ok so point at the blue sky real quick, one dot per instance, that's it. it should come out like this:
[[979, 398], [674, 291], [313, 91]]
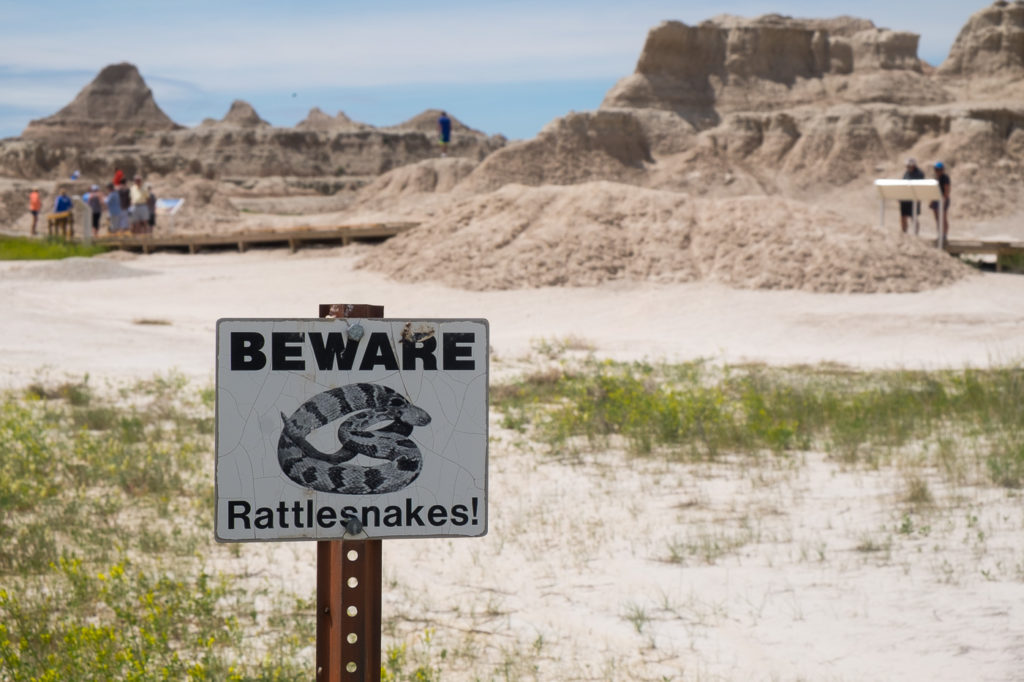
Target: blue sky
[[499, 66]]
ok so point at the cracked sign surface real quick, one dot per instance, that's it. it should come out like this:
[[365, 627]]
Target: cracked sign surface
[[321, 421]]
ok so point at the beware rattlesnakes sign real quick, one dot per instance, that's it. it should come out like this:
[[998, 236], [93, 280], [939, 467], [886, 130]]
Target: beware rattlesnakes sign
[[322, 421]]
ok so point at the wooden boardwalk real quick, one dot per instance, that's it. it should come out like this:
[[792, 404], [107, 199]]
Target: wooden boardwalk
[[1003, 251], [292, 238]]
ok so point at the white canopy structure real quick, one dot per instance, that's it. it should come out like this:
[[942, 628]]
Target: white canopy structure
[[915, 191]]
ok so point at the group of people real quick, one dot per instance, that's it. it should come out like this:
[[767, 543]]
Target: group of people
[[129, 207], [62, 204], [910, 212]]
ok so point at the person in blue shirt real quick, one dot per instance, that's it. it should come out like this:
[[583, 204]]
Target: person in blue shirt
[[66, 225], [444, 127], [63, 202], [114, 209]]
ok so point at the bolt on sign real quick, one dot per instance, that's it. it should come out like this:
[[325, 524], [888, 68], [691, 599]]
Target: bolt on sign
[[325, 425]]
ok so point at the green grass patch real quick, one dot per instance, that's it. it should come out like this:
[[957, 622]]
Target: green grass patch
[[405, 662], [22, 248], [106, 515], [698, 411], [1011, 262]]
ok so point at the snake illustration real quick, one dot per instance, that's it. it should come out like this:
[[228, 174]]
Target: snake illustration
[[362, 407]]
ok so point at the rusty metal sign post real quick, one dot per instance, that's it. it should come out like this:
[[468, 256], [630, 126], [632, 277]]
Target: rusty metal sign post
[[346, 429], [348, 585]]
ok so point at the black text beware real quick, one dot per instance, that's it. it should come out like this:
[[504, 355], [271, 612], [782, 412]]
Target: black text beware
[[331, 350]]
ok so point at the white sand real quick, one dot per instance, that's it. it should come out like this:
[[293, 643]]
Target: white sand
[[574, 576], [82, 317]]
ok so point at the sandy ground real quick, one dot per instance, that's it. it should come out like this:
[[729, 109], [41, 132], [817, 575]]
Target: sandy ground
[[90, 315], [607, 568]]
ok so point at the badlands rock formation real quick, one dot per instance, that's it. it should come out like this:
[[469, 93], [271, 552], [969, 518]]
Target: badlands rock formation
[[116, 106], [780, 105], [317, 119], [743, 149], [525, 237], [240, 115], [772, 62], [114, 121], [991, 44], [730, 111], [603, 145]]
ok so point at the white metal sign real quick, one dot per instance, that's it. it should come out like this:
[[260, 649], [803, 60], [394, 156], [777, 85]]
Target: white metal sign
[[374, 426], [169, 206]]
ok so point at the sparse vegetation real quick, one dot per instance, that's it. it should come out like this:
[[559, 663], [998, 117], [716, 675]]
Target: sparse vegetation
[[396, 665], [918, 493], [706, 547], [698, 411], [1011, 262], [105, 513], [637, 617]]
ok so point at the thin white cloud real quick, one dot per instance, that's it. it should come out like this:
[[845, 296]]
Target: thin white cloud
[[226, 47], [399, 48], [456, 43], [32, 97]]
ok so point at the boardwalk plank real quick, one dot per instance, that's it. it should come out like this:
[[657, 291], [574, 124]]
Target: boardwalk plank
[[292, 238]]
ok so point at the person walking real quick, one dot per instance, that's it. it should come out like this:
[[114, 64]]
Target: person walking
[[96, 206], [35, 205], [444, 128], [125, 196], [140, 208], [907, 208], [114, 209], [945, 187], [151, 205]]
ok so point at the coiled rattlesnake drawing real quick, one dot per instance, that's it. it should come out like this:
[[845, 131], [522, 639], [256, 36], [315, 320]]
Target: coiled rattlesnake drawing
[[362, 406]]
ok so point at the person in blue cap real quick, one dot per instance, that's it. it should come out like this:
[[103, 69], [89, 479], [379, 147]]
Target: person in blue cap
[[444, 127], [944, 189], [63, 202], [66, 223]]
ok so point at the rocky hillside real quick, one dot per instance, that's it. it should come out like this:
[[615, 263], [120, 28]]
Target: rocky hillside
[[319, 120], [240, 115], [776, 105], [990, 45], [115, 122], [117, 106], [772, 62], [810, 109]]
